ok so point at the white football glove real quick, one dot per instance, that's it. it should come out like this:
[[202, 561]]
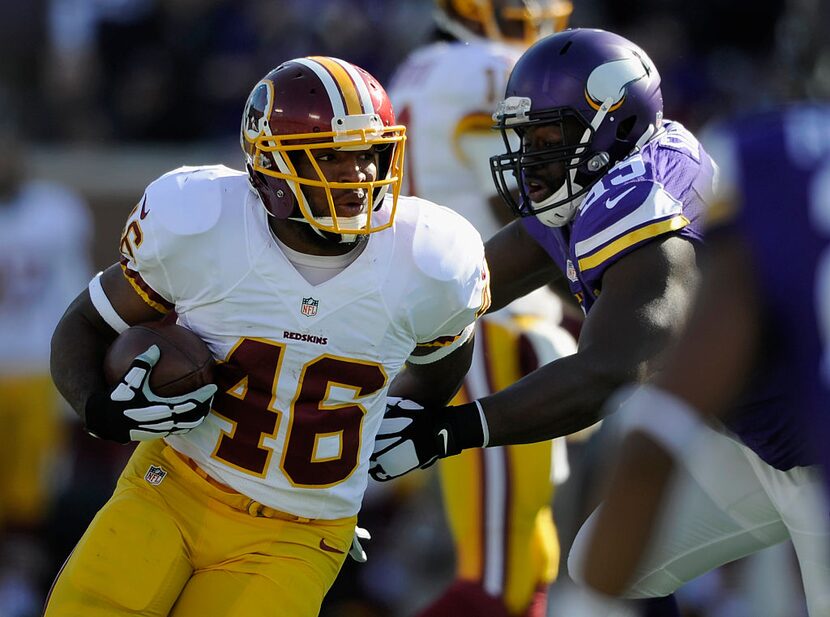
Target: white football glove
[[356, 551], [131, 411], [395, 453]]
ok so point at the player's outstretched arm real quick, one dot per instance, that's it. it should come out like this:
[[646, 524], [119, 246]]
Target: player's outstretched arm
[[703, 374], [641, 308]]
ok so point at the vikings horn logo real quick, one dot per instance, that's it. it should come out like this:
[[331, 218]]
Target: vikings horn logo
[[258, 110], [611, 80]]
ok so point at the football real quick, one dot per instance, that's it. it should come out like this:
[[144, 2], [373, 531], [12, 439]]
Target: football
[[185, 363]]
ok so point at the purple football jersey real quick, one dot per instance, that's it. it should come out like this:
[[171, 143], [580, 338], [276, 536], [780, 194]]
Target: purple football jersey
[[661, 189], [666, 188], [781, 162]]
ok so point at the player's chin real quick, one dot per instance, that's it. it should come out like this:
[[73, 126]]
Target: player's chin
[[538, 192], [351, 209]]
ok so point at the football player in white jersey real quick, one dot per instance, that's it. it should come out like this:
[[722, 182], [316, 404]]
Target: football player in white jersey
[[314, 283], [497, 501]]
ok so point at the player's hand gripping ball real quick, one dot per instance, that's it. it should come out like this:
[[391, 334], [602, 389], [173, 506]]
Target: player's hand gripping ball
[[160, 377]]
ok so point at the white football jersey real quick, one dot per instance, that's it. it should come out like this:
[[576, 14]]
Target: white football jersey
[[45, 233], [303, 369], [445, 93]]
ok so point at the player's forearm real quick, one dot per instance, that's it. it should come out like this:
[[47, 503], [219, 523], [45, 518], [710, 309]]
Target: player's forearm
[[628, 516], [413, 384], [78, 349], [558, 399], [434, 384]]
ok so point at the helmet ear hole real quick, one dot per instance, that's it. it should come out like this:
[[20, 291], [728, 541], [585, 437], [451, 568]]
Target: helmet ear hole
[[625, 127], [283, 200], [275, 194]]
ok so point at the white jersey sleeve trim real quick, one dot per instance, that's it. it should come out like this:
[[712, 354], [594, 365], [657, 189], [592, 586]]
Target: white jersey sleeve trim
[[658, 205], [104, 307]]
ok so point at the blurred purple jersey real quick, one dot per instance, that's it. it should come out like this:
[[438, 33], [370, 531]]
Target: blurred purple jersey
[[781, 162], [665, 189]]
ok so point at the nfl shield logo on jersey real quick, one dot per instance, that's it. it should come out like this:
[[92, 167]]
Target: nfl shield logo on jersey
[[309, 308], [571, 272], [155, 475]]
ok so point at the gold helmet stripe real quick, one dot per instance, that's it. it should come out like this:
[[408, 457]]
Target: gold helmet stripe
[[342, 82], [359, 82], [336, 98]]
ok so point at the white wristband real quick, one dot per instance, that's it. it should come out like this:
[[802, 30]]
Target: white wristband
[[666, 418], [484, 427], [104, 307]]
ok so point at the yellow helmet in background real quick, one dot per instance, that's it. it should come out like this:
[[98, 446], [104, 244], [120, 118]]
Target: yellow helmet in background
[[518, 22]]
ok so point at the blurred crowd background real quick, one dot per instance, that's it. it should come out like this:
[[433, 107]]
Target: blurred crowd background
[[98, 97]]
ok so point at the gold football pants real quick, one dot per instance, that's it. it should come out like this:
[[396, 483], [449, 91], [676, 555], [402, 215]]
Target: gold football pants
[[172, 542]]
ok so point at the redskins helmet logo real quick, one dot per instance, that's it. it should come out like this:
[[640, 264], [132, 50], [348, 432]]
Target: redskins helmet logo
[[258, 110]]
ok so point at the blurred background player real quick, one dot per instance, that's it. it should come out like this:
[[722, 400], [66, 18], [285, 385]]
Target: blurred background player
[[763, 309], [497, 501], [45, 234], [755, 314]]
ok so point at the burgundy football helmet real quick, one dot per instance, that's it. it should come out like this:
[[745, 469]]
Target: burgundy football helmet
[[312, 103], [601, 89]]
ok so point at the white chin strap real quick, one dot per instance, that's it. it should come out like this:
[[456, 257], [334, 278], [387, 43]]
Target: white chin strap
[[352, 222], [563, 213]]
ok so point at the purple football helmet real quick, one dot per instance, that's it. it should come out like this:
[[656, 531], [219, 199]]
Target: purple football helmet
[[602, 92]]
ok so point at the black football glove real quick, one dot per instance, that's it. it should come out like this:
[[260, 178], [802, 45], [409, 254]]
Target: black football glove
[[413, 437], [130, 411]]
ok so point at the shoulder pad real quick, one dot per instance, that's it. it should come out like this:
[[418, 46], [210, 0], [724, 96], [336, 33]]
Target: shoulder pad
[[179, 214], [621, 218], [449, 285], [445, 246], [188, 200]]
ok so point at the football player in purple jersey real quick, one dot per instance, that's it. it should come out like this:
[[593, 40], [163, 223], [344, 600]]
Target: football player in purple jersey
[[612, 197], [763, 307]]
